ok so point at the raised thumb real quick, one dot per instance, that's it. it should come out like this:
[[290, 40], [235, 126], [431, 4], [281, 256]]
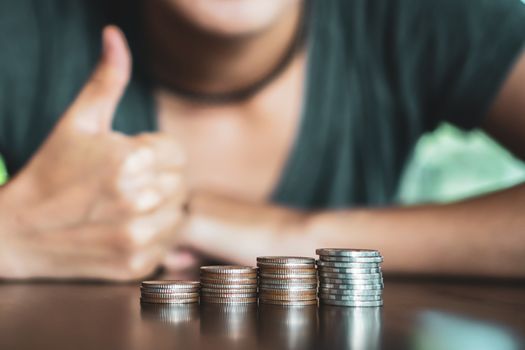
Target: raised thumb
[[93, 109]]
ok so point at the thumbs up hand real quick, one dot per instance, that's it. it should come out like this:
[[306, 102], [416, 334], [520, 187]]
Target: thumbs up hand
[[94, 203]]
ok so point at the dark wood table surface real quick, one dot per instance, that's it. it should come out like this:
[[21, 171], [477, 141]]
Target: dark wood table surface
[[417, 315]]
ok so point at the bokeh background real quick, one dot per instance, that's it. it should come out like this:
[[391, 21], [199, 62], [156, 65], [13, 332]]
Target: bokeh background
[[449, 164]]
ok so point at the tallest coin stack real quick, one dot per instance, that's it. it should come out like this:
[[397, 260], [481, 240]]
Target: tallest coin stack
[[350, 277]]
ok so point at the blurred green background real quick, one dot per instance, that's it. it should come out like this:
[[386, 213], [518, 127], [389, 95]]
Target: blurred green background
[[448, 165]]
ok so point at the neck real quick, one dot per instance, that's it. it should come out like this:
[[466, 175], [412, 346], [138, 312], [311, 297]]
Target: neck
[[182, 55]]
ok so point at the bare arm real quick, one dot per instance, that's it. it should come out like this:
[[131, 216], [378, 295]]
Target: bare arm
[[484, 236]]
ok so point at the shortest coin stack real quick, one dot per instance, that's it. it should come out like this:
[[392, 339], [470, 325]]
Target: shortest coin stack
[[229, 284], [169, 292], [287, 281], [350, 277]]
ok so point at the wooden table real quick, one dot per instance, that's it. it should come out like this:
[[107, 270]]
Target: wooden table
[[416, 315]]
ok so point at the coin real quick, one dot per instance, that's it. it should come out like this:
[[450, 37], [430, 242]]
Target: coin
[[230, 286], [167, 290], [352, 276], [287, 276], [228, 281], [348, 303], [350, 270], [331, 280], [228, 300], [289, 302], [377, 286], [309, 293], [228, 276], [289, 271], [370, 259], [350, 291], [174, 284], [288, 297], [299, 260], [291, 287], [347, 252], [290, 281], [229, 290], [170, 295], [349, 297], [229, 295], [169, 301], [338, 264], [228, 269]]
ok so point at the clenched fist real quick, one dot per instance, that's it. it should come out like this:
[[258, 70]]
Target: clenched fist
[[93, 203]]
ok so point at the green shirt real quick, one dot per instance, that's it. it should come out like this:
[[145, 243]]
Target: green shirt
[[380, 74]]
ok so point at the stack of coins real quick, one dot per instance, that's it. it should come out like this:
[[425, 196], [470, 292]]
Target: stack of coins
[[169, 292], [228, 284], [287, 281], [350, 277]]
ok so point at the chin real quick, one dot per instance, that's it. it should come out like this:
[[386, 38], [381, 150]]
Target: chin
[[232, 17]]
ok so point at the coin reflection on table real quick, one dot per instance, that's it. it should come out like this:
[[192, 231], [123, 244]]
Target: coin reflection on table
[[350, 328], [177, 321], [170, 313], [293, 327], [229, 326]]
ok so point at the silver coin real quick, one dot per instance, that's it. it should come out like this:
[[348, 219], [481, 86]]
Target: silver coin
[[170, 284], [228, 295], [167, 290], [350, 270], [227, 281], [351, 291], [229, 290], [364, 259], [349, 297], [289, 282], [169, 301], [352, 276], [287, 287], [229, 286], [228, 269], [227, 300], [170, 295], [285, 260], [349, 265], [375, 303], [347, 252], [287, 276], [288, 296], [298, 303], [325, 280], [342, 284], [291, 266], [289, 270]]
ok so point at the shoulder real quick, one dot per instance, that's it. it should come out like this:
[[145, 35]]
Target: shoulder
[[427, 14]]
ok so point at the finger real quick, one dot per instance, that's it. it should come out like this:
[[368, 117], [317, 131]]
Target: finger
[[167, 152], [94, 107], [157, 228], [138, 196], [180, 260]]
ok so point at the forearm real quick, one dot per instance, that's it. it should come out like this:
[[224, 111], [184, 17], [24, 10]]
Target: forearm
[[478, 237], [238, 232]]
